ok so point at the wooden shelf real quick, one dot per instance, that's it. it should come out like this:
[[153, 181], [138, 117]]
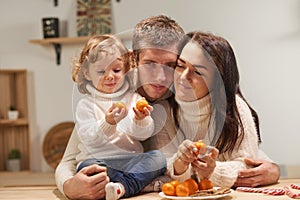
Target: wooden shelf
[[17, 122], [14, 134], [57, 42], [61, 40]]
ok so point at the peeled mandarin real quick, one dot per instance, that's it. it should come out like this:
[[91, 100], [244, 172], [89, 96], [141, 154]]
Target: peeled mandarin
[[119, 105], [201, 147]]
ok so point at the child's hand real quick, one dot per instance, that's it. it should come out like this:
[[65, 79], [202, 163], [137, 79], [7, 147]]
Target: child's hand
[[115, 114], [139, 115]]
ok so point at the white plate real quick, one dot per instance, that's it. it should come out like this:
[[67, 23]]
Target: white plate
[[199, 197]]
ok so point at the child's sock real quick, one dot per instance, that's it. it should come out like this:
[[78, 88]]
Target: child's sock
[[114, 191]]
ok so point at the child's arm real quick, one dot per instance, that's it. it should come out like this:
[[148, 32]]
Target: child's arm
[[91, 124], [138, 124]]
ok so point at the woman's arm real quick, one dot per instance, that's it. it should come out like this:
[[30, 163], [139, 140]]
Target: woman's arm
[[229, 164]]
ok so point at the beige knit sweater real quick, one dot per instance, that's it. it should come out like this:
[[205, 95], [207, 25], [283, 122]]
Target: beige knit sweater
[[228, 165]]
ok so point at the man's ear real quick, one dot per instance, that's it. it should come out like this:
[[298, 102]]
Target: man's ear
[[130, 53], [132, 59], [87, 75]]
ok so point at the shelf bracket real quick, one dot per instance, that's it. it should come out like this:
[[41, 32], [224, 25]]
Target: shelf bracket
[[57, 48]]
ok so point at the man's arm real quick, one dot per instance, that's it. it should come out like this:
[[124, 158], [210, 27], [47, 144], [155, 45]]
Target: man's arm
[[262, 173], [88, 183]]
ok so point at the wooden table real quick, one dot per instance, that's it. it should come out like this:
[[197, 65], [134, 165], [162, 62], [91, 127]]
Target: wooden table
[[239, 195], [41, 186]]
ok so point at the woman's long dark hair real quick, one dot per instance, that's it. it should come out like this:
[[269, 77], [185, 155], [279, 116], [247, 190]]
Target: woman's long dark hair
[[221, 54]]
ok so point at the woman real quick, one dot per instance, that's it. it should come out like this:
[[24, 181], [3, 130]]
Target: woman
[[211, 107]]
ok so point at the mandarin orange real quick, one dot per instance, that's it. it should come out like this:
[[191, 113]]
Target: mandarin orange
[[205, 184], [175, 183], [201, 147], [192, 185], [182, 190], [168, 189], [141, 104]]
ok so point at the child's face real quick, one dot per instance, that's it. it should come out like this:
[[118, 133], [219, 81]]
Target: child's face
[[107, 74]]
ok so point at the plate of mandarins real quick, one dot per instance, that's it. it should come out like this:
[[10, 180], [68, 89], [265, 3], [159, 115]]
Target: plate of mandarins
[[190, 189]]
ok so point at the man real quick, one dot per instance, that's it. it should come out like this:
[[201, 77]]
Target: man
[[155, 41], [151, 52]]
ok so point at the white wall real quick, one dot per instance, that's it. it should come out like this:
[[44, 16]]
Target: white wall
[[265, 35]]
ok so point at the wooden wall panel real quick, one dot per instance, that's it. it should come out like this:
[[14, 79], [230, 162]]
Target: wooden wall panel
[[14, 134]]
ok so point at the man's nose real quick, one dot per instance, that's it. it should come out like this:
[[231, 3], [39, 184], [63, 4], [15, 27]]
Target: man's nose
[[160, 73]]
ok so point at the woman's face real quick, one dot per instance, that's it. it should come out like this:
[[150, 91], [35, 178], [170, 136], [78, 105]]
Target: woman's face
[[193, 77]]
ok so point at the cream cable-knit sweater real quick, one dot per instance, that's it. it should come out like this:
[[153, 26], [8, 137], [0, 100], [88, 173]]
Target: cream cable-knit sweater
[[67, 167], [228, 165], [99, 139]]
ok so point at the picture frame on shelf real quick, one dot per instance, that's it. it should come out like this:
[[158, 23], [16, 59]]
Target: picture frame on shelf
[[94, 17]]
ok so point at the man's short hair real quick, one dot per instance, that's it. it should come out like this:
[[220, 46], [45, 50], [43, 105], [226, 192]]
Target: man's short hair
[[156, 32]]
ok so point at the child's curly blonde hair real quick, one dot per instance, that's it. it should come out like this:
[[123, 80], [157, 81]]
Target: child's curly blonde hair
[[90, 54]]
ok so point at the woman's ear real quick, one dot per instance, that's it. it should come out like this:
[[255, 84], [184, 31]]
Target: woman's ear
[[87, 74]]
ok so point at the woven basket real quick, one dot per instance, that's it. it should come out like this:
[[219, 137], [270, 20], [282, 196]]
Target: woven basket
[[56, 141]]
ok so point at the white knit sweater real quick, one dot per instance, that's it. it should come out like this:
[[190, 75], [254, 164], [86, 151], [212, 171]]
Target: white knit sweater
[[228, 165], [100, 139]]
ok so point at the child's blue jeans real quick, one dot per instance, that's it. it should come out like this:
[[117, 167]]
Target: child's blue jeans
[[134, 172]]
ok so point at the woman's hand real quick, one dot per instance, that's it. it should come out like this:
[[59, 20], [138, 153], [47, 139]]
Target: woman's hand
[[88, 183], [205, 165], [184, 157]]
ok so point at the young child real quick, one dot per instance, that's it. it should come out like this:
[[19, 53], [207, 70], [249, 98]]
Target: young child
[[109, 131]]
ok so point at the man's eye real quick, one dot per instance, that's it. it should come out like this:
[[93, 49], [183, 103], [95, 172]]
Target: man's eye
[[173, 65], [150, 64], [101, 72]]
